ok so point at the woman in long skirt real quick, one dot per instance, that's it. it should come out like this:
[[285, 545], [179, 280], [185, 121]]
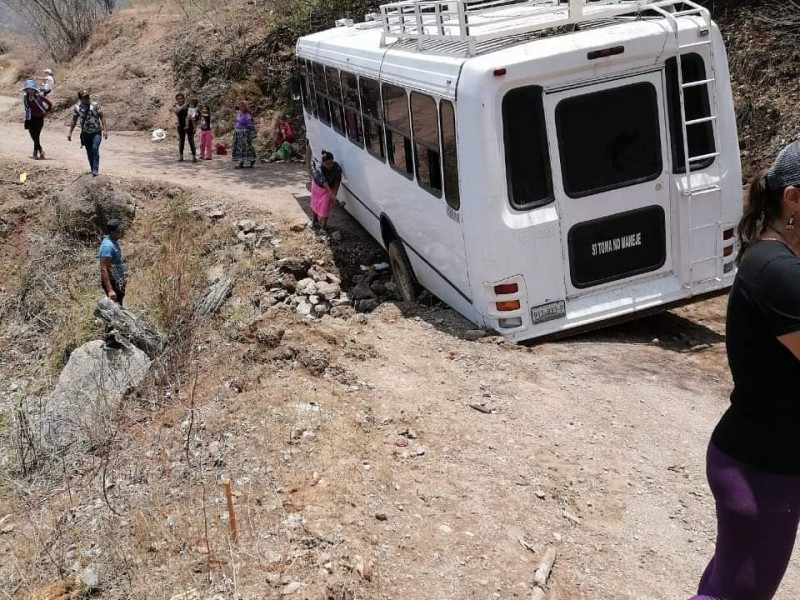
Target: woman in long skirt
[[243, 136]]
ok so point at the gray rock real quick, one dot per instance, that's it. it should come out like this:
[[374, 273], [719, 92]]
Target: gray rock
[[215, 214], [246, 225], [291, 588], [341, 312], [328, 290], [336, 236], [367, 305], [340, 302], [304, 308], [317, 273], [378, 288], [306, 287], [321, 309], [390, 286], [90, 577], [314, 299], [85, 205], [475, 334], [90, 388], [333, 278], [361, 292], [360, 318]]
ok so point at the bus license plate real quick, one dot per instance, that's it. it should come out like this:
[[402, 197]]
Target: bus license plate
[[549, 312]]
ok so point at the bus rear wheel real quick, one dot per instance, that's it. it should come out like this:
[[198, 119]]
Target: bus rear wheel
[[403, 273]]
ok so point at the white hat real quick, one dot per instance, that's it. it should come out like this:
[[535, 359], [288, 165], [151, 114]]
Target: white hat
[[48, 71], [158, 135]]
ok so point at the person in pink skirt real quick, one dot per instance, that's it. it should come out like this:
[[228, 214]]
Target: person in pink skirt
[[206, 134], [326, 178]]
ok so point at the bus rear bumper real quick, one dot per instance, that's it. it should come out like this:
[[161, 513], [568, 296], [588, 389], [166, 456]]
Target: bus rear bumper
[[610, 307]]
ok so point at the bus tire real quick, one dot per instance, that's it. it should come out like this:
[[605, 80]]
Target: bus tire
[[407, 284]]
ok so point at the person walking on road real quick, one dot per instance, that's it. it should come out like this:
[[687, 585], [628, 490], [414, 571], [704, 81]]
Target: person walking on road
[[36, 108], [112, 270], [93, 128], [753, 459], [48, 83], [185, 127]]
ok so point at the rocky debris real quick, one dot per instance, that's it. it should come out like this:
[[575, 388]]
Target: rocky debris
[[88, 393], [475, 334], [90, 578], [216, 295], [291, 588], [141, 334], [254, 233], [85, 205], [215, 214]]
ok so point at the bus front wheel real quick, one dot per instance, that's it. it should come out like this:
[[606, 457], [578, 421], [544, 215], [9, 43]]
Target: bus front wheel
[[403, 273]]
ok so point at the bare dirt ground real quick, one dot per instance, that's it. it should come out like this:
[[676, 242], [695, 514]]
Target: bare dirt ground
[[594, 445]]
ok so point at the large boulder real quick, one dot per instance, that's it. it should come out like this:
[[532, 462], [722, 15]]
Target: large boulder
[[86, 204], [81, 410]]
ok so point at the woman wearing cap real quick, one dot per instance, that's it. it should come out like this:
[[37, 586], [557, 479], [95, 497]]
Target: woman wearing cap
[[36, 107], [753, 460]]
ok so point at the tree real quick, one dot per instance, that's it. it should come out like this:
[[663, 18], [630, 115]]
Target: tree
[[64, 26]]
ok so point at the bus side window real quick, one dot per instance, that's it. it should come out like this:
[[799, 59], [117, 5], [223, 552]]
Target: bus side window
[[321, 89], [398, 129], [352, 109], [697, 106], [530, 181], [427, 160], [301, 70], [312, 104], [335, 98], [373, 117], [447, 119]]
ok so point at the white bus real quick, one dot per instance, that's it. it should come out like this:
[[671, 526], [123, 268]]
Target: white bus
[[542, 167]]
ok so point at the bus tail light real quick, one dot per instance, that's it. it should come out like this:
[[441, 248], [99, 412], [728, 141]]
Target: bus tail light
[[506, 288], [727, 250], [508, 305]]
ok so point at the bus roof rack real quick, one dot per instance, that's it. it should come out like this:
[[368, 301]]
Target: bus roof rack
[[472, 27]]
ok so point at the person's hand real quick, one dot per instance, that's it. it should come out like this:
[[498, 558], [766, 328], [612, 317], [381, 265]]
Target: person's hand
[[105, 136], [69, 137], [112, 295]]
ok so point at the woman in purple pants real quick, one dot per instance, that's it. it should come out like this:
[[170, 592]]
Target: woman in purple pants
[[753, 460]]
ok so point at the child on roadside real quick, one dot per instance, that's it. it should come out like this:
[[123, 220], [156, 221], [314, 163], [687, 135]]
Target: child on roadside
[[326, 178], [206, 134]]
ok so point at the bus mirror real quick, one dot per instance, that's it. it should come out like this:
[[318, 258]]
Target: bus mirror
[[295, 87]]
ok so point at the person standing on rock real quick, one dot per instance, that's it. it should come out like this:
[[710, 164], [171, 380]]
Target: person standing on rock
[[753, 459], [185, 126], [112, 270], [326, 178], [93, 128], [36, 108]]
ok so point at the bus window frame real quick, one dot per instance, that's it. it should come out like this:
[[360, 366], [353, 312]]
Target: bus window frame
[[345, 75], [335, 101], [321, 97], [437, 148], [376, 122], [408, 146]]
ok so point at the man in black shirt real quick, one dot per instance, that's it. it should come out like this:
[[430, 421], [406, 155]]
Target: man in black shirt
[[181, 110]]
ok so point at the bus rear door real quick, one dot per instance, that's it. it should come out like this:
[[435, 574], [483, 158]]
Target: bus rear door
[[611, 181]]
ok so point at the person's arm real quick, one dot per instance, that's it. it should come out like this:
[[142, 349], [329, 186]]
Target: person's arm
[[176, 108], [72, 127], [777, 297], [105, 277], [103, 124]]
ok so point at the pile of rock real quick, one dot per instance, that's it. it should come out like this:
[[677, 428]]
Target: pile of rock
[[254, 233], [372, 286]]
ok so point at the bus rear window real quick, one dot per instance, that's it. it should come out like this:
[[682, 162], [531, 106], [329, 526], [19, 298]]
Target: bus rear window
[[697, 106], [609, 139], [525, 139]]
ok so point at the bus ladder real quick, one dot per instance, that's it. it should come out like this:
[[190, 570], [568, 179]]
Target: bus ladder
[[689, 191]]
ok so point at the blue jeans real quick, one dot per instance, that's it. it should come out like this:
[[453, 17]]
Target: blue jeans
[[91, 141]]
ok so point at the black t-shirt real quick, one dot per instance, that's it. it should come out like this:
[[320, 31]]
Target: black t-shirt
[[762, 426], [182, 114]]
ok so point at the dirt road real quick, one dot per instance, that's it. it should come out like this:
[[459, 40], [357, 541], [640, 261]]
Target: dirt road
[[594, 445]]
